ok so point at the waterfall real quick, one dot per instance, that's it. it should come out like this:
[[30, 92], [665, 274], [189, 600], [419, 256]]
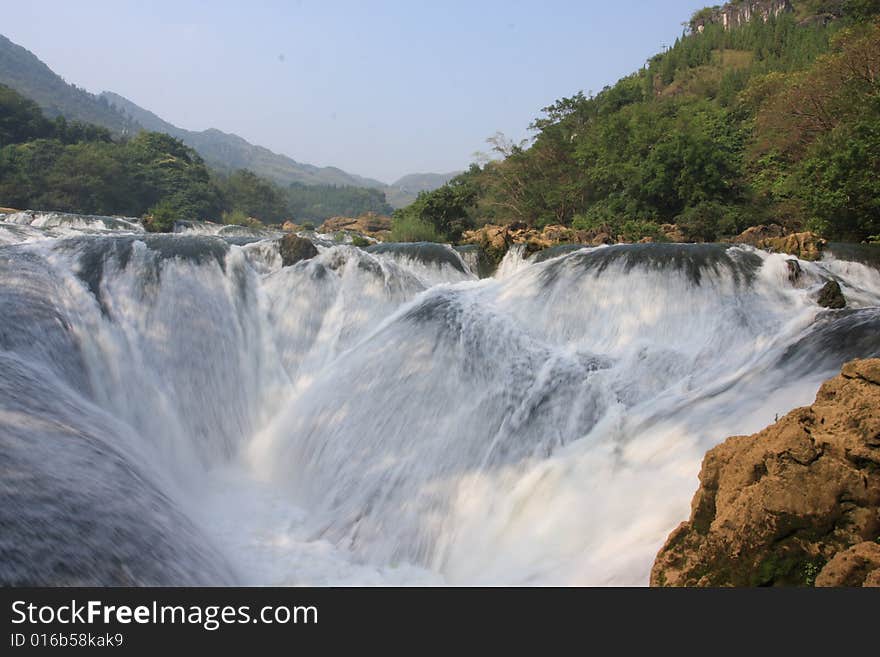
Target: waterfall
[[180, 409]]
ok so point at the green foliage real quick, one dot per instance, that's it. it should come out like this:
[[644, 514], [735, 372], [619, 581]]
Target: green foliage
[[771, 120], [76, 167], [861, 10], [30, 77], [360, 240], [841, 182], [633, 230], [161, 217], [320, 202], [237, 217], [440, 215], [246, 193], [707, 221], [405, 227], [20, 118]]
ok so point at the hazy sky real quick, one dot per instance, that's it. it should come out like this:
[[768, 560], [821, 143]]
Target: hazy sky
[[376, 88]]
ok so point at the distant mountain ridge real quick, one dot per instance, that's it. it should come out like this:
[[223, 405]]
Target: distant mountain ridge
[[228, 152], [23, 71]]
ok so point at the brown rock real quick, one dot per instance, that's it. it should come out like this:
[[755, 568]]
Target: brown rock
[[294, 248], [755, 234], [601, 238], [773, 238], [290, 227], [857, 566], [774, 507], [367, 224], [673, 233], [496, 240]]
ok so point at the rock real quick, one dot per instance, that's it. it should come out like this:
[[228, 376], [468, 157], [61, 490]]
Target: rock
[[806, 246], [601, 238], [857, 566], [496, 240], [773, 238], [290, 227], [370, 224], [755, 234], [294, 248], [773, 508], [831, 296], [794, 271], [673, 233]]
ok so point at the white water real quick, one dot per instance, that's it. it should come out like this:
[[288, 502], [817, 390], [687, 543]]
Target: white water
[[177, 409]]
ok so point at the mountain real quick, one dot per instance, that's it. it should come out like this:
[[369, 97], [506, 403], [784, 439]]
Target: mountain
[[404, 191], [23, 71], [228, 152]]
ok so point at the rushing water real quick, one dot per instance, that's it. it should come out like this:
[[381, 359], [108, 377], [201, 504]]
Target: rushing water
[[179, 409]]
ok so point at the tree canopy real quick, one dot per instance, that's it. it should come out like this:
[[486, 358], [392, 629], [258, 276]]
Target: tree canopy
[[773, 120]]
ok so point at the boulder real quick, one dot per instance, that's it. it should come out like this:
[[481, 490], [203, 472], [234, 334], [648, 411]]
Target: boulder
[[794, 271], [290, 227], [775, 507], [857, 566], [294, 248], [831, 296]]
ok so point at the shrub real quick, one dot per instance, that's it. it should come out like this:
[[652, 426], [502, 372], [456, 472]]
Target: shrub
[[708, 220], [634, 230], [406, 228], [161, 217]]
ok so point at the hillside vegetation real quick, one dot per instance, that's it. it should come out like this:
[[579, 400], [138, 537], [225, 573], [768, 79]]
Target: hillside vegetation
[[775, 120], [80, 167]]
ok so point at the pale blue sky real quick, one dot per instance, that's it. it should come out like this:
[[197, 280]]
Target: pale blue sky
[[377, 88]]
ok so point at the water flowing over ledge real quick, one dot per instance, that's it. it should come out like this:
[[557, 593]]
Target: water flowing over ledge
[[180, 409]]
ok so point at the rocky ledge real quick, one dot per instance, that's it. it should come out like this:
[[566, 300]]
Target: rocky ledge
[[496, 240], [774, 238], [370, 224], [795, 504]]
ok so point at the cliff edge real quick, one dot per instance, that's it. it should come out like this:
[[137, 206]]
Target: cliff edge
[[795, 504]]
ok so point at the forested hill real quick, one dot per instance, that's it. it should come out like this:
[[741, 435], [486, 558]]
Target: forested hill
[[21, 70], [71, 166], [229, 152], [772, 117]]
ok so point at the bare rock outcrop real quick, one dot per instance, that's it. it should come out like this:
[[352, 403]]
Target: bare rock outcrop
[[496, 240], [774, 238], [738, 13], [783, 506], [371, 224]]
